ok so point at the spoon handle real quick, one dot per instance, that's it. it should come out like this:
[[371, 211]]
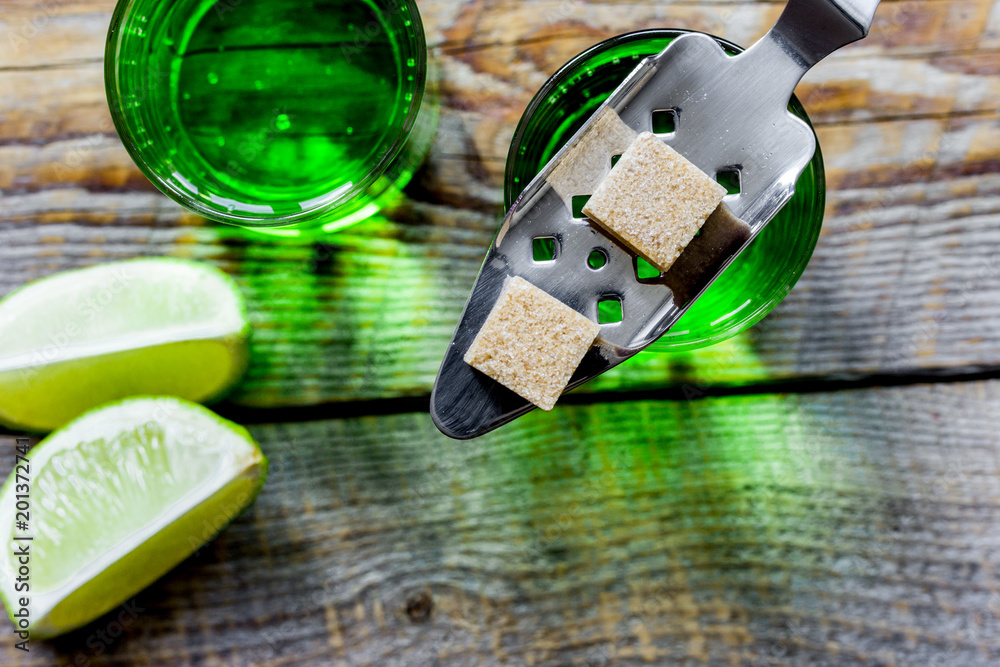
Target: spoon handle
[[806, 32]]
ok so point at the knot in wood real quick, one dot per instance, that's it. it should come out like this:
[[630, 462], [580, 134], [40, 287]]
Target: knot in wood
[[419, 607]]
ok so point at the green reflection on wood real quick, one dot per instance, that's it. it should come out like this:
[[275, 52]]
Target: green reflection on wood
[[368, 312], [685, 516]]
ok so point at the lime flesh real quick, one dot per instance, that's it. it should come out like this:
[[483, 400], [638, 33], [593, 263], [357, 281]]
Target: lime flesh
[[117, 498], [82, 338]]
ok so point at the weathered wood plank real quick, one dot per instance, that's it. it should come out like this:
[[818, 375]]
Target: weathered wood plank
[[901, 113], [904, 279], [856, 527], [465, 168], [899, 28], [991, 34], [46, 34], [828, 529], [911, 138], [56, 125], [879, 153], [866, 88], [858, 86]]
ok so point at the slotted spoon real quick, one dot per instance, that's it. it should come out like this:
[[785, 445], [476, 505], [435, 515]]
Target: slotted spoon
[[730, 117]]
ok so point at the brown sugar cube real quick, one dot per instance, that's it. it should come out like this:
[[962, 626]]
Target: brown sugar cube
[[654, 200], [531, 343], [577, 172]]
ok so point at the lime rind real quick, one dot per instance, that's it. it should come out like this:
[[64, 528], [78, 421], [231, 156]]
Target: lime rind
[[153, 537]]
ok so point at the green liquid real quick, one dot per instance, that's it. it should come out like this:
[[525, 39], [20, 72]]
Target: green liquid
[[764, 272], [268, 108]]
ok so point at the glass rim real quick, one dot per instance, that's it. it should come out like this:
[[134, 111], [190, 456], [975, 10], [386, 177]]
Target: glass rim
[[816, 166], [575, 61], [250, 220]]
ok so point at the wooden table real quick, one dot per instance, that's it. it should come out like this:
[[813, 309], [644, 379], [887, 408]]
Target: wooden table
[[823, 490]]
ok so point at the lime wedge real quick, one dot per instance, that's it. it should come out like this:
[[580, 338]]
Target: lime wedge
[[116, 498], [78, 339]]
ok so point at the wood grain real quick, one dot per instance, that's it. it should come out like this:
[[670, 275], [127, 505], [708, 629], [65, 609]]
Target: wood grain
[[903, 280], [51, 34], [831, 528], [844, 528]]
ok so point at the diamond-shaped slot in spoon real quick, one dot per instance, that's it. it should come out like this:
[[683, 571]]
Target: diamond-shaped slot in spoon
[[730, 115]]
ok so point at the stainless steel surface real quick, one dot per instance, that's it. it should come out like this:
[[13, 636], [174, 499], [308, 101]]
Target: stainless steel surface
[[730, 114]]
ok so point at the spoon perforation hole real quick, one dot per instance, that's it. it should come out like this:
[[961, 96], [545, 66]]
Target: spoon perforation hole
[[664, 121], [544, 248], [609, 309], [644, 270], [597, 259], [579, 201], [730, 178], [614, 160]]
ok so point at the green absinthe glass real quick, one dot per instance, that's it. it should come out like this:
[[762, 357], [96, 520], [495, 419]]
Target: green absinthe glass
[[766, 270], [270, 112]]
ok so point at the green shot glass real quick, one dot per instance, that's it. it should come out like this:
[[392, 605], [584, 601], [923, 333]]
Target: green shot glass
[[271, 113], [764, 272]]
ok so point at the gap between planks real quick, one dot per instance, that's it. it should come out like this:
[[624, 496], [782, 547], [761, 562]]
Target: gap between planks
[[259, 414]]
